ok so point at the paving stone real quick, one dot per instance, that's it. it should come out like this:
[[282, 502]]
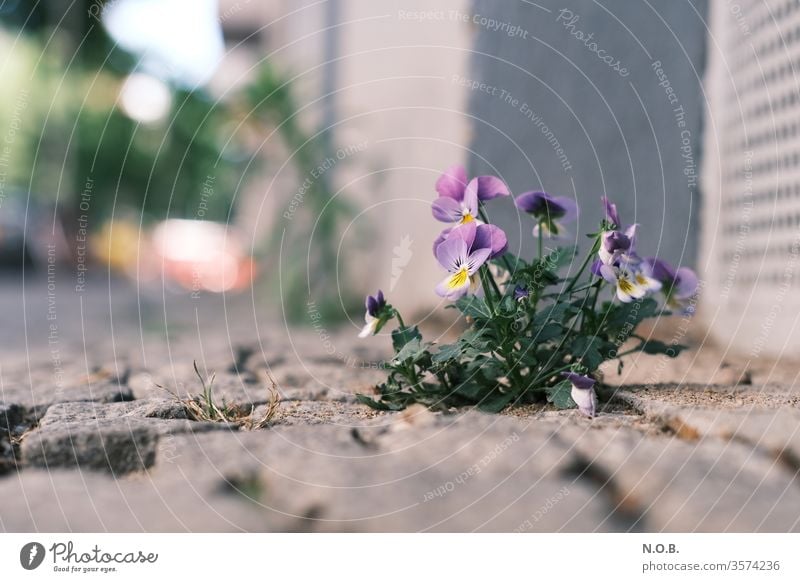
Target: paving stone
[[463, 473], [74, 501], [38, 397], [14, 421], [777, 432], [669, 484], [118, 447], [322, 412], [669, 406], [118, 437]]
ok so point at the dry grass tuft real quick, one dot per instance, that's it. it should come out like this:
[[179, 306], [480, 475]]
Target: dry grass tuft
[[202, 407]]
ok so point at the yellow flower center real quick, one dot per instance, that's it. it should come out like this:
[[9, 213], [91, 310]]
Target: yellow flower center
[[458, 278], [625, 285], [641, 280], [467, 218]]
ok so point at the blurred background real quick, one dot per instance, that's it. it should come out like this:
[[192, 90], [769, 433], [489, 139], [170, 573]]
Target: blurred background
[[196, 156]]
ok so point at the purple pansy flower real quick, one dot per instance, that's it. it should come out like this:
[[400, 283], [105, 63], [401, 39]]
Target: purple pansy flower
[[583, 392], [618, 247], [486, 236], [678, 285], [551, 212], [462, 256], [619, 264], [611, 213], [374, 315], [521, 293], [458, 199], [632, 280]]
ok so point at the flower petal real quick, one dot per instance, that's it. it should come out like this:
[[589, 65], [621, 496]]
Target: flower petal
[[470, 201], [627, 290], [579, 380], [372, 305], [476, 259], [452, 253], [586, 400], [630, 232], [369, 327], [446, 209], [455, 285], [465, 232], [452, 182], [490, 187], [530, 202], [608, 273], [491, 237], [686, 283], [441, 238], [660, 270], [611, 212]]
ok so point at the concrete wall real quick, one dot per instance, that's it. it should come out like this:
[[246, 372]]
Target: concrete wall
[[554, 115], [397, 121]]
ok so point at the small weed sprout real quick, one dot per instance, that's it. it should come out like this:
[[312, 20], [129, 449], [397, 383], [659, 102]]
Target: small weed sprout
[[202, 407]]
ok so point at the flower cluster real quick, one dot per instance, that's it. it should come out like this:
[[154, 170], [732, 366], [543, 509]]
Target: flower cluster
[[533, 334]]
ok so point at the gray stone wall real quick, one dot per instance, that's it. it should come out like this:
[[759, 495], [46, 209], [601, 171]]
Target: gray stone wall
[[587, 99]]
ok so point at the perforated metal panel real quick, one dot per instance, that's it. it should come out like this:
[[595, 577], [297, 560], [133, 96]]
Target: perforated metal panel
[[751, 177]]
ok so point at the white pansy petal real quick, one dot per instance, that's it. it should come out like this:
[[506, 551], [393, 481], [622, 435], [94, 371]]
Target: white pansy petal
[[586, 399], [369, 327]]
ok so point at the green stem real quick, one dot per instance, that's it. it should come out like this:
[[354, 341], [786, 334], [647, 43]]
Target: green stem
[[400, 319], [595, 247], [485, 276], [541, 227], [583, 288], [549, 373]]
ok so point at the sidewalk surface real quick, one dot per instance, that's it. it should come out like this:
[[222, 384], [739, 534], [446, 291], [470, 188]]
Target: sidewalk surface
[[91, 441]]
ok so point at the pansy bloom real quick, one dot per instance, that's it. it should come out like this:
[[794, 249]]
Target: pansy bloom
[[612, 216], [521, 293], [375, 315], [486, 236], [583, 393], [458, 199], [618, 247], [550, 212], [631, 282], [462, 253], [677, 285]]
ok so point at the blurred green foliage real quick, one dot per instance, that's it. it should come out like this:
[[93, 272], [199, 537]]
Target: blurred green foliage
[[75, 132]]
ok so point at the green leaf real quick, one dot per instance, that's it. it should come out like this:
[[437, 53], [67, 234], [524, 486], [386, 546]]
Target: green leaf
[[547, 332], [447, 352], [556, 312], [587, 349], [473, 306], [624, 317], [497, 400], [470, 390], [559, 395], [374, 404], [411, 351], [476, 339], [401, 336]]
